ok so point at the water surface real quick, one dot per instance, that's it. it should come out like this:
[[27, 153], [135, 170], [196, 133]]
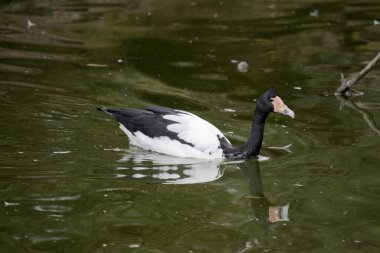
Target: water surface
[[70, 182]]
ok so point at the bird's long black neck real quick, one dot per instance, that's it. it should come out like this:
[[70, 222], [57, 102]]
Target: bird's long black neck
[[253, 145]]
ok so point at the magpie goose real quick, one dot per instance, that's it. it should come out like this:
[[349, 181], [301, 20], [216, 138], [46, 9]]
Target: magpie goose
[[183, 134]]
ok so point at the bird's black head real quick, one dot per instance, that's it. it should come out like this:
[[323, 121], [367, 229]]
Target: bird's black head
[[270, 101]]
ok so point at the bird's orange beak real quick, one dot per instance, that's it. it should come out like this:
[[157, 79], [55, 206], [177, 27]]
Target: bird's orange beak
[[280, 107]]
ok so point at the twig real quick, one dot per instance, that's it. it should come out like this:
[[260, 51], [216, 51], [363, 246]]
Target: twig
[[366, 115], [285, 148], [346, 84]]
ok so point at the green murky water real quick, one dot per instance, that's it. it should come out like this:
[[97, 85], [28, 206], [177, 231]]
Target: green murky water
[[69, 182]]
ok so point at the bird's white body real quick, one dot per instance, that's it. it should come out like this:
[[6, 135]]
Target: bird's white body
[[202, 135]]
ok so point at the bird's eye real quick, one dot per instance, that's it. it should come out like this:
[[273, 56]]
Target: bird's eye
[[271, 99]]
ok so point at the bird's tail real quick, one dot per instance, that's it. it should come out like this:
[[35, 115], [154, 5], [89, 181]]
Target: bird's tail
[[105, 110]]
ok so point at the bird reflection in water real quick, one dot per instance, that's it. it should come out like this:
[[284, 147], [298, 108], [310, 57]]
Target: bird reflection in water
[[262, 208], [157, 168], [164, 169]]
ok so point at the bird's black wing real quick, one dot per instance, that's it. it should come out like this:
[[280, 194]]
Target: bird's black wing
[[149, 121]]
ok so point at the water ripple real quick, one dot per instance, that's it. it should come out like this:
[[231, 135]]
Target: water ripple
[[53, 208], [61, 198]]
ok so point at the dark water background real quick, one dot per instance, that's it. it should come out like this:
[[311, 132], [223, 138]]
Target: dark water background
[[69, 182]]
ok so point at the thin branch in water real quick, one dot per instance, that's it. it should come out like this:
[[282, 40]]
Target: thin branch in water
[[285, 148], [346, 84], [366, 115], [368, 106]]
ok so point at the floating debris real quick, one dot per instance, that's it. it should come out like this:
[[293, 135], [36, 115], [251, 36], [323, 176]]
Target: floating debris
[[30, 24], [234, 61], [376, 22], [314, 13], [297, 88], [228, 110], [120, 61], [243, 67]]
